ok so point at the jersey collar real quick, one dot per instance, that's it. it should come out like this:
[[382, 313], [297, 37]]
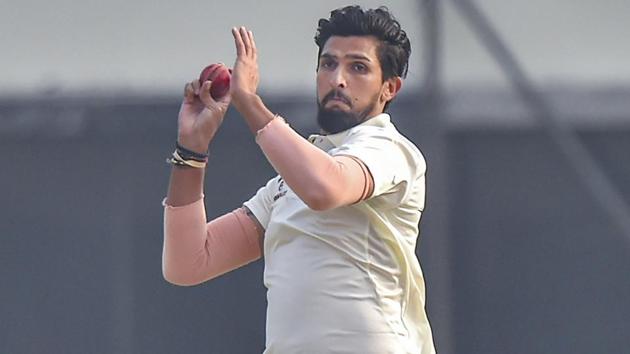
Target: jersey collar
[[327, 142]]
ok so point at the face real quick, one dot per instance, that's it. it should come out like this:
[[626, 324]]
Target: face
[[350, 86]]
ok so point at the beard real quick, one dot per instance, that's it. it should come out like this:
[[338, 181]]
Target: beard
[[334, 121]]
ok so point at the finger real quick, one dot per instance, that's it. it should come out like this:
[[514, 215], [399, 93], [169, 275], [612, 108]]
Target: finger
[[246, 41], [189, 92], [208, 72], [253, 43], [195, 85], [238, 42], [204, 94], [188, 89]]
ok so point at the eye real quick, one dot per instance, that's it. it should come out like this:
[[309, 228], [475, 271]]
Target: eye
[[327, 64], [359, 67]]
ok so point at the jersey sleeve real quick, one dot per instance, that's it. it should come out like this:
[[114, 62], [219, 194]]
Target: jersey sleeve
[[393, 162], [260, 203]]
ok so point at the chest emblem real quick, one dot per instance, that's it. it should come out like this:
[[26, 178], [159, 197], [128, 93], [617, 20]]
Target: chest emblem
[[282, 190]]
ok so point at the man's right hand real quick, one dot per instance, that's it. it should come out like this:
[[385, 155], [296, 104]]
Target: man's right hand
[[199, 116]]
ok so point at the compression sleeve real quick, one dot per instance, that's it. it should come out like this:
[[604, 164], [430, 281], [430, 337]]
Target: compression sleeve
[[320, 180], [195, 251]]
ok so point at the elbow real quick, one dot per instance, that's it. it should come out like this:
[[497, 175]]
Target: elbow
[[319, 205], [320, 200], [178, 278], [174, 280]]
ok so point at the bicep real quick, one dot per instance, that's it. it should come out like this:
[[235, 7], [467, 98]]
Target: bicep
[[357, 183], [233, 240]]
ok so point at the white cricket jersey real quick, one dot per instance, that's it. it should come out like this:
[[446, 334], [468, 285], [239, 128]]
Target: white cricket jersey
[[347, 280]]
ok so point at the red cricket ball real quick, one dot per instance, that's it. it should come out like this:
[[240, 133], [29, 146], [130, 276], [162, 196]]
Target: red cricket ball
[[220, 76]]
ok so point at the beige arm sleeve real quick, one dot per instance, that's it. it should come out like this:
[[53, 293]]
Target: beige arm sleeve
[[320, 180], [196, 251]]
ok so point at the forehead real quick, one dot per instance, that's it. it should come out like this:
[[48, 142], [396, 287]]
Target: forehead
[[340, 47]]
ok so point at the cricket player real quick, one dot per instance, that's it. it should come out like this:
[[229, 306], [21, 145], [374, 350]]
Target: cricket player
[[338, 225]]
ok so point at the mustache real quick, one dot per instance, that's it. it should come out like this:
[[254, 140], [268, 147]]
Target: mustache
[[336, 94]]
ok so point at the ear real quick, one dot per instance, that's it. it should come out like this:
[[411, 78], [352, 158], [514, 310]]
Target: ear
[[391, 87]]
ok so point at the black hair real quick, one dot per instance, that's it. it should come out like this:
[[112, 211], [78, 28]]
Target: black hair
[[395, 49]]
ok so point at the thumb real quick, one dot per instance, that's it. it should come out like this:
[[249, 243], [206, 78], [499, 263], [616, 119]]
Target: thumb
[[207, 99], [204, 94]]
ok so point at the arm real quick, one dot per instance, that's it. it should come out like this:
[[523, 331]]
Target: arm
[[193, 250], [321, 181]]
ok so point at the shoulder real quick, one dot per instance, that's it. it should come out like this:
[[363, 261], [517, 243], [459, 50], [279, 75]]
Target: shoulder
[[261, 203], [387, 142]]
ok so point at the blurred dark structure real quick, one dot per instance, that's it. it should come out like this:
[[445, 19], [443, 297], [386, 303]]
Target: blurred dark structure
[[517, 256]]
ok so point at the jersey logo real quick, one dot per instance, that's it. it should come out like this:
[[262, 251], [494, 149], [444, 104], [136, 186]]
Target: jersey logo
[[282, 190]]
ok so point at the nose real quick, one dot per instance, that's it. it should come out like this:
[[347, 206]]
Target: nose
[[337, 78]]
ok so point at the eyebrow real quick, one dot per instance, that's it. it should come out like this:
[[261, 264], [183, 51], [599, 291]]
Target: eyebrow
[[351, 56]]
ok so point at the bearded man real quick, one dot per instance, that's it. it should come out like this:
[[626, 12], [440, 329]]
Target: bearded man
[[338, 226]]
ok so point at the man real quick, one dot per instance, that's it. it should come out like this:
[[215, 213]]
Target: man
[[338, 225]]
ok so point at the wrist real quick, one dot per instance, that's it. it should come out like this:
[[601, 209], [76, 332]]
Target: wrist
[[256, 114], [242, 100], [194, 143]]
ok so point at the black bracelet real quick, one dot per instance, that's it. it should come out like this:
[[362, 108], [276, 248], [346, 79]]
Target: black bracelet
[[187, 154]]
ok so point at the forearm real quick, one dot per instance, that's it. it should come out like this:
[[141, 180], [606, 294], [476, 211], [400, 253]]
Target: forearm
[[320, 180], [185, 186], [184, 238]]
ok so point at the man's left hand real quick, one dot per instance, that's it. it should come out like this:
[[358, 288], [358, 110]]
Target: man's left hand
[[245, 77]]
